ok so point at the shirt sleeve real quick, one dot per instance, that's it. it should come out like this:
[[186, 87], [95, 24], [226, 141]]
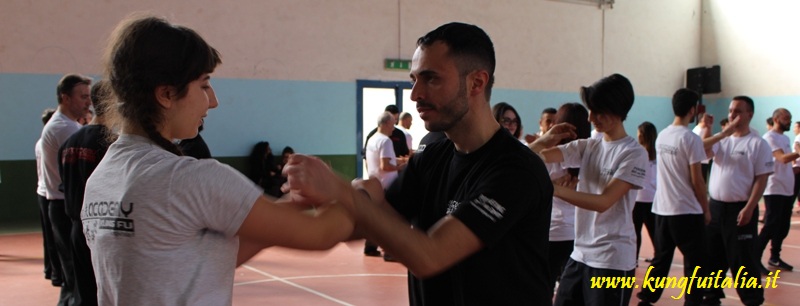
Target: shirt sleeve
[[573, 152], [697, 152], [217, 196], [386, 148], [508, 194], [764, 162], [633, 167]]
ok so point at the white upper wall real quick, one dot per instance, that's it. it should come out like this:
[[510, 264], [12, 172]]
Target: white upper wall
[[541, 45], [756, 45]]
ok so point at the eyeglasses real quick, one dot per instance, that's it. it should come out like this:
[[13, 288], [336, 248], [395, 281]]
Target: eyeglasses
[[509, 121]]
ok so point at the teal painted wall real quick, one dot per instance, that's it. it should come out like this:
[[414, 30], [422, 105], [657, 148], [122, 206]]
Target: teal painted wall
[[19, 209]]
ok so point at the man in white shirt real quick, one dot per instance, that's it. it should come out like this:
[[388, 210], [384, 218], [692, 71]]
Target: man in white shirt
[[778, 196], [73, 103], [381, 160], [405, 125], [742, 163], [680, 205], [703, 129]]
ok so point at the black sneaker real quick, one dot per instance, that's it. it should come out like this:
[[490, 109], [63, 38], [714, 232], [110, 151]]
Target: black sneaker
[[763, 270], [374, 253], [389, 258], [780, 264], [643, 303]]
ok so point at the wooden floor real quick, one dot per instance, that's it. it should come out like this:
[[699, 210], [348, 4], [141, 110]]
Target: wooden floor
[[341, 276]]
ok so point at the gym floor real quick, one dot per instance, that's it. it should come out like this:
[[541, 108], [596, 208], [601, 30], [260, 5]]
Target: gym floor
[[341, 276]]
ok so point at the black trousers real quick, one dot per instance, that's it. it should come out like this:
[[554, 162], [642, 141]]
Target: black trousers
[[777, 220], [85, 289], [643, 214], [734, 247], [62, 229], [52, 265], [575, 287], [686, 233], [559, 252]]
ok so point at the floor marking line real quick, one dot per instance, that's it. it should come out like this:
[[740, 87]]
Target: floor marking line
[[320, 294], [320, 276]]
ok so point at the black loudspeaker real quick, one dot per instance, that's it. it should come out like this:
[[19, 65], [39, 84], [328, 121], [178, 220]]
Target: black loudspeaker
[[704, 80]]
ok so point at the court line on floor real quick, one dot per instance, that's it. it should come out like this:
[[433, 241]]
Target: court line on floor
[[309, 290], [322, 276]]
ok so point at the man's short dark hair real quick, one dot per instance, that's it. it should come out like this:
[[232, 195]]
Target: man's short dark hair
[[470, 47], [683, 100], [392, 109], [549, 110], [747, 100], [612, 95]]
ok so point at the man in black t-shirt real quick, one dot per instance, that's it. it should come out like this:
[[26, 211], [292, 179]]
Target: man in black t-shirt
[[470, 215]]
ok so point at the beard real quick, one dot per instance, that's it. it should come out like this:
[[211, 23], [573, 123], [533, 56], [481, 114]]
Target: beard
[[784, 127], [451, 112]]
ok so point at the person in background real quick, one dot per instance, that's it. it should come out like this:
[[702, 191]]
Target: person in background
[[546, 121], [74, 100], [703, 129], [562, 217], [680, 204], [52, 265], [508, 118], [642, 211], [779, 193], [78, 157], [405, 125], [195, 147], [742, 163]]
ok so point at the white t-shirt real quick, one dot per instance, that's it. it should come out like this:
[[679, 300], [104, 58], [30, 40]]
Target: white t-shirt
[[562, 216], [737, 161], [162, 228], [41, 187], [781, 182], [648, 191], [699, 131], [677, 148], [606, 240], [796, 141], [380, 146], [54, 134], [409, 141]]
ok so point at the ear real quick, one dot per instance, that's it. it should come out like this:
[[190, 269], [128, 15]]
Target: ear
[[477, 81], [165, 95]]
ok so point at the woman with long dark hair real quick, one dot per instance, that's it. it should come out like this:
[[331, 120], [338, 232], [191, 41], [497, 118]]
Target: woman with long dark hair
[[642, 211]]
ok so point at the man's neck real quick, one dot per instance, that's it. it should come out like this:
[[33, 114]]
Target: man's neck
[[474, 129], [615, 133], [682, 121], [67, 114]]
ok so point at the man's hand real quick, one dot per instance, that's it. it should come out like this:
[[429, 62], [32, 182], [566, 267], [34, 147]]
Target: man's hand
[[531, 138], [744, 217], [557, 133], [310, 181], [371, 186]]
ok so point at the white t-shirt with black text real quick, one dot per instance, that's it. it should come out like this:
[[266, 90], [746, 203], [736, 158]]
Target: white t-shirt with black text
[[737, 161], [677, 148], [606, 240], [781, 182]]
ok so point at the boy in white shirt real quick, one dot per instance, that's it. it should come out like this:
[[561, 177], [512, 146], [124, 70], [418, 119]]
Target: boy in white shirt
[[611, 168]]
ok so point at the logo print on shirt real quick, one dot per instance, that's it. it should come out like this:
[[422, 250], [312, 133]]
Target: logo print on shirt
[[112, 216], [452, 206], [488, 207]]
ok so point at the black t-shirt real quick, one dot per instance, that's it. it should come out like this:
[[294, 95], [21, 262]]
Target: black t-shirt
[[77, 159], [195, 147], [398, 142], [503, 194]]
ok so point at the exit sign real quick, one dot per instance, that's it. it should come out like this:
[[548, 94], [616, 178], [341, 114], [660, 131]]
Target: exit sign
[[396, 64]]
